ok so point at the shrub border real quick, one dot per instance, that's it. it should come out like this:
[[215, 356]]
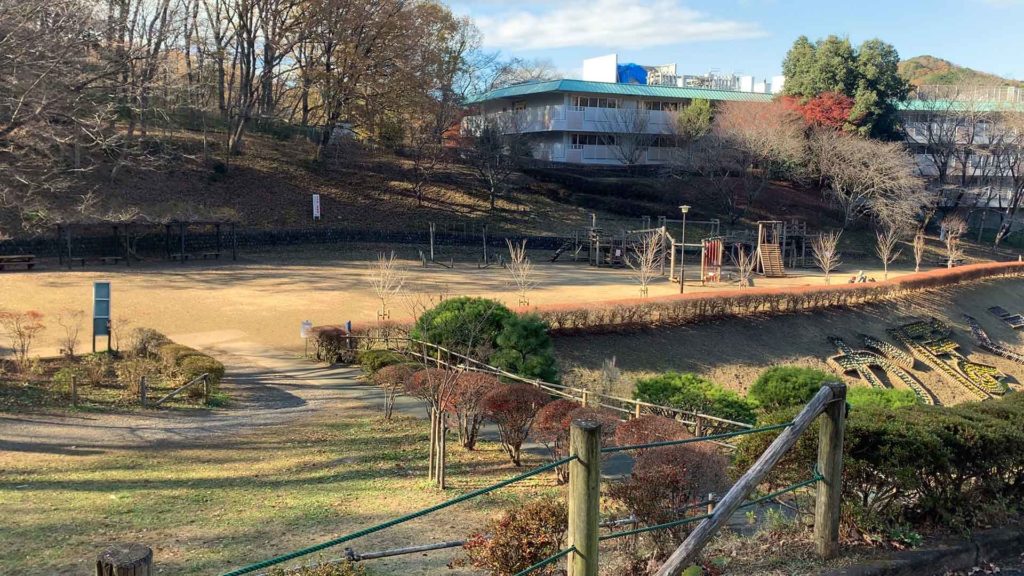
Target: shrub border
[[676, 310]]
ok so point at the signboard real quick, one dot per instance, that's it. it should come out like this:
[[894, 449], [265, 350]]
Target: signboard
[[100, 312], [305, 328], [316, 206]]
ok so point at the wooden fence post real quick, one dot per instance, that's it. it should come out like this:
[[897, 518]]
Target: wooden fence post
[[125, 560], [142, 391], [206, 389], [830, 466], [74, 391], [584, 497]]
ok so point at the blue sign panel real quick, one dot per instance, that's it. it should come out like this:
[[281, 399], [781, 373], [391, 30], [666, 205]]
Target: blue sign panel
[[101, 309]]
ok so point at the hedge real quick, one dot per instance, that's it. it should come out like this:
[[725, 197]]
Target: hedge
[[923, 466], [189, 364], [687, 308]]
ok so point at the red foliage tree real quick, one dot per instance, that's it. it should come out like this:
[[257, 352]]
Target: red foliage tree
[[665, 484], [826, 110], [650, 428], [392, 379], [513, 408], [466, 404], [552, 424]]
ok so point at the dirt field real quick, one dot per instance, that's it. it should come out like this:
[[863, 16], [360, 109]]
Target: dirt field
[[263, 298], [733, 352]]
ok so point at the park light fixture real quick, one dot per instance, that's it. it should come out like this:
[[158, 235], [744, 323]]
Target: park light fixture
[[682, 260]]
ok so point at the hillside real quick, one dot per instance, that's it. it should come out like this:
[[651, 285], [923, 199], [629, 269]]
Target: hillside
[[924, 70], [270, 187]]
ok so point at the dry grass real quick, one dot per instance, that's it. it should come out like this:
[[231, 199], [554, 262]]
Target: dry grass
[[208, 509]]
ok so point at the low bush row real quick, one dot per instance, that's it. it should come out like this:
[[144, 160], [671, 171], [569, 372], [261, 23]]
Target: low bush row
[[917, 465], [684, 309], [188, 364]]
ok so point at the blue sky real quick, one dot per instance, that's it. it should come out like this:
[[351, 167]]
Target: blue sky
[[748, 36]]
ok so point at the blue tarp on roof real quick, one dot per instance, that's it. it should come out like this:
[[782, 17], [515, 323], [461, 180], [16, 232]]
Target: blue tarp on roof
[[632, 74]]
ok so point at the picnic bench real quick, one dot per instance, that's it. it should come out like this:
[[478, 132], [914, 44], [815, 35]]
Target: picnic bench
[[180, 257], [27, 260], [111, 259], [79, 261], [214, 255]]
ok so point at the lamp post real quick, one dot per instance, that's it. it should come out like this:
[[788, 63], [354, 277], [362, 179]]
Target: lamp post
[[682, 261]]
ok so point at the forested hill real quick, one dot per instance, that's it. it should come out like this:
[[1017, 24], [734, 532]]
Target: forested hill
[[923, 70]]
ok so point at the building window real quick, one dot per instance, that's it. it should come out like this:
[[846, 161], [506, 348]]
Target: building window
[[663, 142], [580, 140], [593, 102], [662, 106]]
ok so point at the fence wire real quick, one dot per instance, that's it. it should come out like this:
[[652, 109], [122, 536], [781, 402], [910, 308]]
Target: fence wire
[[611, 449]]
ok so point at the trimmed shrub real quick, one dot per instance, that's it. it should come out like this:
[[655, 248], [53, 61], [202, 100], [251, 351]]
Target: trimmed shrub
[[146, 342], [521, 537], [687, 391], [552, 424], [784, 386], [957, 467], [432, 385], [373, 360], [171, 354], [392, 380], [648, 429], [665, 483], [513, 408], [861, 397], [465, 325], [466, 404], [524, 347], [195, 365]]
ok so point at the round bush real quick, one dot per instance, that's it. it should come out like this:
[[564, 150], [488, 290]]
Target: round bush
[[462, 324], [650, 428], [690, 392], [374, 360], [860, 397], [783, 386], [194, 366], [171, 354]]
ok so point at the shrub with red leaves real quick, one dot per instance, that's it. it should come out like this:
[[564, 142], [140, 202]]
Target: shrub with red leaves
[[521, 537], [432, 385], [513, 408], [664, 482], [648, 429], [392, 380], [552, 424], [466, 404]]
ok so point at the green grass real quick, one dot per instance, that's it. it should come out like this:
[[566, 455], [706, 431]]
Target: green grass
[[209, 509]]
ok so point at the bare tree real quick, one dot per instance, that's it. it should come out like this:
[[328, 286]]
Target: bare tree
[[498, 146], [865, 176], [71, 322], [1006, 150], [644, 258], [21, 329], [387, 278], [919, 245], [954, 227], [521, 270], [749, 144], [825, 248], [631, 136], [887, 239], [745, 264]]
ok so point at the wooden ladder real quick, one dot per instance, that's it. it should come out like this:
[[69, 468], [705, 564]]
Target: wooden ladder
[[770, 256]]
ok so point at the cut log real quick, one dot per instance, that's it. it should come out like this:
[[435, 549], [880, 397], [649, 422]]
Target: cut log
[[125, 560]]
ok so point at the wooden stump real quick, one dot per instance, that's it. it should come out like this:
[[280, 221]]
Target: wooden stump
[[125, 560]]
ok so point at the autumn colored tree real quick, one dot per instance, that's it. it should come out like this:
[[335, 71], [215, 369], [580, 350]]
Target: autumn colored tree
[[466, 404], [648, 429], [513, 408], [436, 387], [826, 110], [392, 380], [554, 421]]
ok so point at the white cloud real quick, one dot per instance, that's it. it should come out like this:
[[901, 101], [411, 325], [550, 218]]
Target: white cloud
[[627, 24]]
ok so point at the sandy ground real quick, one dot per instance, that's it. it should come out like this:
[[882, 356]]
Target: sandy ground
[[733, 352], [262, 299]]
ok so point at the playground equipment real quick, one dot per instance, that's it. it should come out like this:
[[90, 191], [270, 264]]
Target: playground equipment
[[770, 239], [711, 252], [427, 261]]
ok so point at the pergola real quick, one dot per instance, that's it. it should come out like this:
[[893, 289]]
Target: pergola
[[120, 246]]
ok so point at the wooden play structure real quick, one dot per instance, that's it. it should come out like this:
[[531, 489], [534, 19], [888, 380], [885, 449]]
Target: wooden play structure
[[121, 246], [711, 252], [770, 240]]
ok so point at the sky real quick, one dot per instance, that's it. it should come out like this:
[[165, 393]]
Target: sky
[[747, 36]]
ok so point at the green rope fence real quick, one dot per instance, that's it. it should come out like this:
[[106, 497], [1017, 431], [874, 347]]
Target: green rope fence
[[391, 523], [817, 478], [546, 561], [611, 449]]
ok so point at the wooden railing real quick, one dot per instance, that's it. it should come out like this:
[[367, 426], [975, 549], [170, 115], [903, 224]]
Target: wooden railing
[[204, 379]]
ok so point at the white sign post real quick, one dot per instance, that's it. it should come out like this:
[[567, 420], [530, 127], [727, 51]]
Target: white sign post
[[304, 329], [316, 207]]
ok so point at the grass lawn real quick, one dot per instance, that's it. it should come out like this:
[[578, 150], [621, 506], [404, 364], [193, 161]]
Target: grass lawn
[[206, 510]]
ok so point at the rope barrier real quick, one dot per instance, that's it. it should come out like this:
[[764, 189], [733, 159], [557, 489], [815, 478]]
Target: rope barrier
[[547, 561], [674, 523], [412, 516], [611, 449]]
